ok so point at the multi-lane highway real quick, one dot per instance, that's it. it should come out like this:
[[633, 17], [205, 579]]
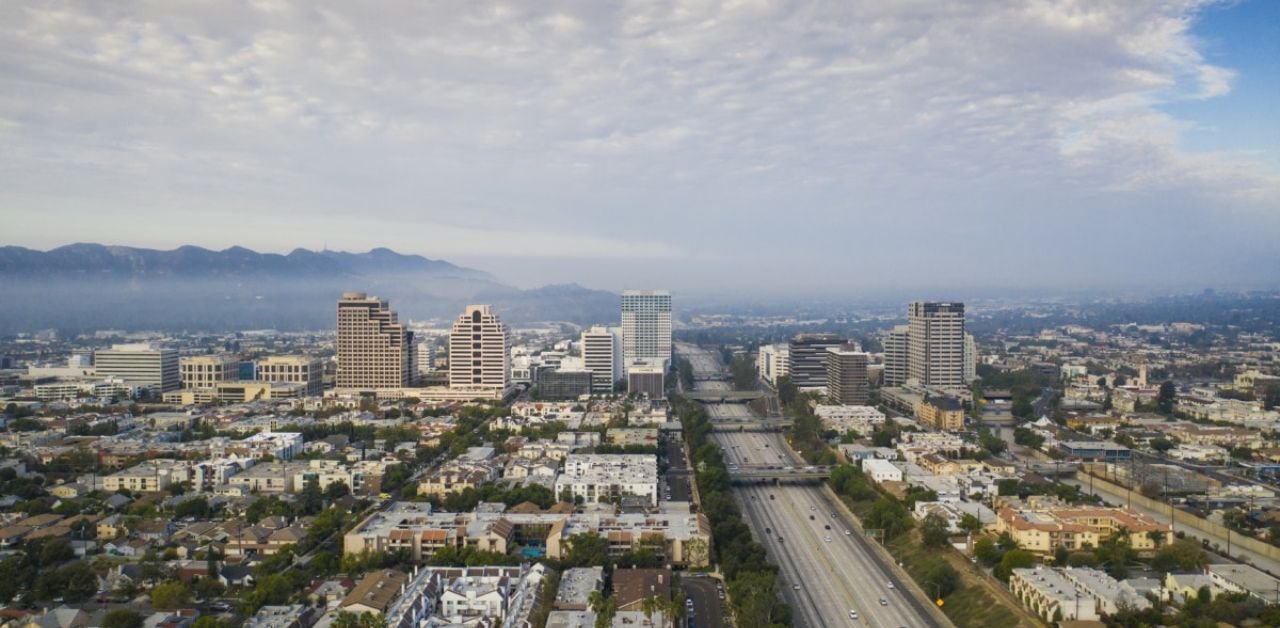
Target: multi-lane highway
[[829, 570]]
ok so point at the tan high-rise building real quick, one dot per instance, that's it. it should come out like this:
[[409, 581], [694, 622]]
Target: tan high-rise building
[[479, 351], [374, 349], [847, 376], [935, 347], [205, 372], [294, 369], [896, 356]]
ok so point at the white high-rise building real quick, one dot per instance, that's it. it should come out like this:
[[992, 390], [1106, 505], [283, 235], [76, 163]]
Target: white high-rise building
[[970, 358], [602, 355], [479, 351], [646, 325], [139, 365], [896, 356], [935, 346], [773, 361], [426, 356]]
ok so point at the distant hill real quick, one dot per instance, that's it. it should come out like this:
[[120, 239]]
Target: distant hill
[[82, 287]]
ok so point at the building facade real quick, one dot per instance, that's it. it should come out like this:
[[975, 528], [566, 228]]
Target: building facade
[[896, 355], [140, 365], [294, 369], [935, 343], [807, 355], [772, 362], [602, 355], [479, 351], [646, 325], [204, 372], [374, 349], [847, 376]]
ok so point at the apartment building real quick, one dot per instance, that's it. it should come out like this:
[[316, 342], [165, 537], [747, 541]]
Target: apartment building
[[294, 369], [1050, 596], [479, 351], [1044, 529], [374, 349], [935, 343], [594, 478], [941, 413]]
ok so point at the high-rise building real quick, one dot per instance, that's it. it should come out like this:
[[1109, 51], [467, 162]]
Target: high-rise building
[[970, 358], [374, 349], [294, 369], [807, 354], [205, 372], [140, 365], [602, 354], [646, 325], [935, 347], [896, 356], [647, 378], [479, 350], [772, 362], [426, 357], [847, 376]]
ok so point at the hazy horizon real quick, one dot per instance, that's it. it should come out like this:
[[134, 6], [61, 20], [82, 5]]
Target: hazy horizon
[[725, 150]]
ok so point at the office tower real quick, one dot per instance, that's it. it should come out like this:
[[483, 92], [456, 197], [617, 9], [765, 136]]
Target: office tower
[[935, 348], [602, 355], [646, 325], [808, 359], [374, 349], [896, 355], [647, 378], [426, 357], [847, 375], [140, 365], [772, 362], [479, 350], [205, 372], [294, 369], [970, 358]]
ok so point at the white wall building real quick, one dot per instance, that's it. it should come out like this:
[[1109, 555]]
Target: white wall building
[[646, 325], [602, 355], [881, 470], [598, 477], [773, 361], [140, 365]]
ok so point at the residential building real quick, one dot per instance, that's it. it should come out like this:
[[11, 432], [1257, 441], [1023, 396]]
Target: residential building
[[374, 349], [1051, 596], [772, 362], [896, 355], [1042, 529], [807, 355], [881, 471], [576, 585], [593, 478], [971, 358], [479, 351], [375, 593], [140, 365], [205, 372], [294, 369], [847, 375], [1108, 594], [646, 326], [602, 356], [859, 418], [941, 413], [935, 344], [1242, 578]]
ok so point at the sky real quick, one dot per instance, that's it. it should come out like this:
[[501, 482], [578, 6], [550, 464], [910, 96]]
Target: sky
[[721, 148]]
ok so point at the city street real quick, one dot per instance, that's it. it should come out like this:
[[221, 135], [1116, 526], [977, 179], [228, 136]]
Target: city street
[[708, 610]]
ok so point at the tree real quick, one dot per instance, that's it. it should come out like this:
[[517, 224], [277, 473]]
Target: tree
[[787, 390], [986, 551], [934, 530], [1161, 444], [970, 523], [1151, 489], [123, 618], [337, 490], [1166, 397], [587, 549], [1183, 555], [1014, 559], [170, 595], [939, 578]]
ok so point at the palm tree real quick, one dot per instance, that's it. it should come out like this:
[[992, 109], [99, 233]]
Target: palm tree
[[649, 606], [596, 601]]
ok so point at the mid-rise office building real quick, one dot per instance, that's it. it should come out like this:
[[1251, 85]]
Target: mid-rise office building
[[807, 354], [602, 355], [646, 325], [479, 351], [896, 356], [426, 357], [772, 362], [374, 349], [294, 369], [140, 365], [970, 358], [647, 378], [847, 375], [205, 372], [935, 346]]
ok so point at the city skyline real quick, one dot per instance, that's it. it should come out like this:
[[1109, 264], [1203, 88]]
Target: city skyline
[[1124, 144]]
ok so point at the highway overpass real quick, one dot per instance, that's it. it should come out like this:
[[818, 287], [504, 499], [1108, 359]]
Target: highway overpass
[[750, 425], [724, 396], [766, 473]]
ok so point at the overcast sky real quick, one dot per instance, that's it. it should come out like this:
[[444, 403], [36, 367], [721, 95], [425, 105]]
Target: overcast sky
[[719, 147]]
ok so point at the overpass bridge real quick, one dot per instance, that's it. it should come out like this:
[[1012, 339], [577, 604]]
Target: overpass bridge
[[750, 425], [724, 396], [749, 473]]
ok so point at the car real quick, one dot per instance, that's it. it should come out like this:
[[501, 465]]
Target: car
[[779, 539], [890, 586], [853, 614], [720, 594], [811, 518], [770, 495], [848, 533], [827, 539], [811, 508], [795, 587], [827, 526], [884, 602], [768, 530], [688, 602]]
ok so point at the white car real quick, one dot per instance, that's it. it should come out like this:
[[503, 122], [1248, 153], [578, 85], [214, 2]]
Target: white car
[[853, 614], [890, 586], [827, 539], [795, 587]]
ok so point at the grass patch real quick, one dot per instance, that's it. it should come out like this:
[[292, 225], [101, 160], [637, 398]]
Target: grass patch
[[973, 604]]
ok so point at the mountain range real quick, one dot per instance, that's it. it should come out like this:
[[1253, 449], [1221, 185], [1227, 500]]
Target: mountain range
[[87, 286]]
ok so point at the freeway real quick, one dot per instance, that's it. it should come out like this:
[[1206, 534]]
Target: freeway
[[828, 573]]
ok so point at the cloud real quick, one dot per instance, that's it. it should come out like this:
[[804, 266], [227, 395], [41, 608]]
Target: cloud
[[673, 129]]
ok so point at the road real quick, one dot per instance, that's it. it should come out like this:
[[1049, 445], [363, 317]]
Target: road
[[824, 579], [708, 610], [676, 479]]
